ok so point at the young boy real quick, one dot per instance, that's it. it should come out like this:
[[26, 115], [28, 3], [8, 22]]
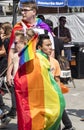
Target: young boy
[[20, 41], [44, 45], [30, 91]]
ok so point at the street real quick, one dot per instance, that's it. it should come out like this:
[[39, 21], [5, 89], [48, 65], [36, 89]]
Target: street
[[74, 105]]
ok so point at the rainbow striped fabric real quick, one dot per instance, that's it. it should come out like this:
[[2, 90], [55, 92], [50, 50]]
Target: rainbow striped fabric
[[39, 100], [19, 26], [28, 51]]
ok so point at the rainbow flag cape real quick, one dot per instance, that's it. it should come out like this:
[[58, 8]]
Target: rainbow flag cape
[[39, 24], [40, 102]]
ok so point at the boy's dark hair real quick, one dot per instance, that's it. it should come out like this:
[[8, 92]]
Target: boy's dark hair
[[41, 38], [49, 23], [62, 18]]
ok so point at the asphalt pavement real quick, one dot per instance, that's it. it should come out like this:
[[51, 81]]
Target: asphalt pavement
[[74, 105]]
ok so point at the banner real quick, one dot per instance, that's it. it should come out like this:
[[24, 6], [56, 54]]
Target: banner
[[51, 3], [75, 3]]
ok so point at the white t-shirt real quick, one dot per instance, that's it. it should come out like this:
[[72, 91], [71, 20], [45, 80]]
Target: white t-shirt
[[15, 61], [41, 31]]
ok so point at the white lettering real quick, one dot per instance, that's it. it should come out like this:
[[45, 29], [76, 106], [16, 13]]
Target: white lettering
[[65, 74], [50, 3]]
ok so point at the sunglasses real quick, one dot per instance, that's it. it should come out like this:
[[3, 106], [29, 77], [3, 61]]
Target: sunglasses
[[64, 20], [25, 9]]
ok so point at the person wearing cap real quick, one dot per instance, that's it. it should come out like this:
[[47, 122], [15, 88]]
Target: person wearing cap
[[63, 33]]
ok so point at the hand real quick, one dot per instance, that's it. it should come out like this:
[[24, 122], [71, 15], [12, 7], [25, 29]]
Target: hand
[[10, 80], [63, 38]]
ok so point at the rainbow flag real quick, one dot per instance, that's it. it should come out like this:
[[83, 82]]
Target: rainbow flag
[[19, 26], [39, 100], [28, 51]]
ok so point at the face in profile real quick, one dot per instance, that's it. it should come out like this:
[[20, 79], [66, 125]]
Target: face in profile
[[27, 13], [46, 47], [63, 22], [19, 43]]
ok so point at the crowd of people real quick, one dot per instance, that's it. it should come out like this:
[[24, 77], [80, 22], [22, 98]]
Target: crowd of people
[[27, 50]]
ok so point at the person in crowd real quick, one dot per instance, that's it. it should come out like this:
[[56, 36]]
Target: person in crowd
[[20, 43], [58, 43], [6, 29], [63, 33], [1, 82], [44, 45], [59, 49], [41, 17], [29, 20], [3, 56], [5, 32], [4, 118], [58, 52], [21, 92]]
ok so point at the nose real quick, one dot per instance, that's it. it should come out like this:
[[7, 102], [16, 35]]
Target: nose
[[50, 47]]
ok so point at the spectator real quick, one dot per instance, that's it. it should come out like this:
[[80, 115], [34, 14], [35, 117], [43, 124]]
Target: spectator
[[3, 54], [20, 42], [43, 45], [34, 103], [5, 38], [29, 20], [58, 43], [6, 29], [63, 33], [41, 17]]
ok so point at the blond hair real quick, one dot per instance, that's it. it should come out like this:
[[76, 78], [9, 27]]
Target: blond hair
[[30, 4], [20, 34], [29, 34]]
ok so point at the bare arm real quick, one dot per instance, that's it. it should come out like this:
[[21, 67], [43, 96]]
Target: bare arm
[[10, 68], [65, 39], [57, 79]]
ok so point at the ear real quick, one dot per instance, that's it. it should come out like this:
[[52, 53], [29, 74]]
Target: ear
[[25, 43], [34, 11], [39, 47]]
